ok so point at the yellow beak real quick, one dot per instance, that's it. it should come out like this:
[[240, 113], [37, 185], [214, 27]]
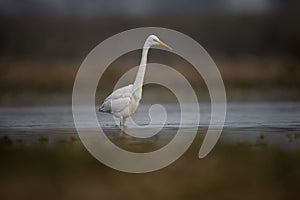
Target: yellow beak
[[163, 44]]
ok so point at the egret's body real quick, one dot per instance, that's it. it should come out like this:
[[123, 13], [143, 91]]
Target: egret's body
[[124, 101]]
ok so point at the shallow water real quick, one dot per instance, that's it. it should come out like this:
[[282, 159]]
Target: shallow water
[[274, 123]]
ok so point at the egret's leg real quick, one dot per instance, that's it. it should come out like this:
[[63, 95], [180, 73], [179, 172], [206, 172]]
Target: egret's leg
[[121, 121], [121, 126], [124, 120]]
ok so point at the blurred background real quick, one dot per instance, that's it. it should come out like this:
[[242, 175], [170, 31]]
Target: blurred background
[[255, 43], [256, 46]]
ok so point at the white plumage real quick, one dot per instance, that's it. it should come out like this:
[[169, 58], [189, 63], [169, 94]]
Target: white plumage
[[124, 101]]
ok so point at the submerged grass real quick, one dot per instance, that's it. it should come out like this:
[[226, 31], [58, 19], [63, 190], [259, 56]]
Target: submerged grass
[[5, 141], [66, 170], [43, 139]]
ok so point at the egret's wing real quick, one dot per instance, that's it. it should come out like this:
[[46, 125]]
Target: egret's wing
[[121, 92], [119, 104], [119, 99]]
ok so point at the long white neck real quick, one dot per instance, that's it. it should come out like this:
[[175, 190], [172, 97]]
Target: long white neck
[[138, 83]]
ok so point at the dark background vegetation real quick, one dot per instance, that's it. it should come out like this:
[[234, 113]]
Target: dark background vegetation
[[255, 44]]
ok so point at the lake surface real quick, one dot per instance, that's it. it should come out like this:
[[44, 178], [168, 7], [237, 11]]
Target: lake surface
[[275, 123]]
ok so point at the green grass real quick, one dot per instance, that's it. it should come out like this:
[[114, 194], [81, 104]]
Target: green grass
[[65, 170]]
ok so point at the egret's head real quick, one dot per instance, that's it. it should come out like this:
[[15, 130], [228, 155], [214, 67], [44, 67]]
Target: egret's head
[[154, 40]]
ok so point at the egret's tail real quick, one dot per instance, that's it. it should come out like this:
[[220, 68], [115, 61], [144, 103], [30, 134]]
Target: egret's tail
[[101, 109], [104, 108]]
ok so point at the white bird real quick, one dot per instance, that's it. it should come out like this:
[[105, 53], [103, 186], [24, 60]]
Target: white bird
[[123, 102]]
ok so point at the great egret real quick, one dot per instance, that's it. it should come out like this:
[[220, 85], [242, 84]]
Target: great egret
[[124, 101]]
